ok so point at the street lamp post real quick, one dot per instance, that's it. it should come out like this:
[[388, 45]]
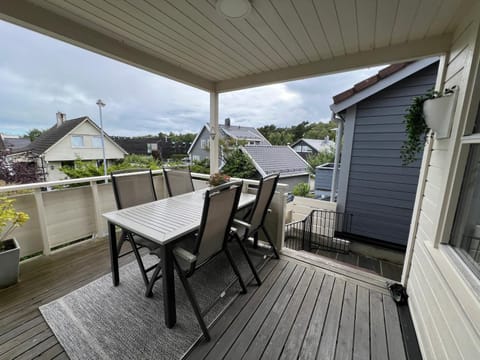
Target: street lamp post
[[101, 104]]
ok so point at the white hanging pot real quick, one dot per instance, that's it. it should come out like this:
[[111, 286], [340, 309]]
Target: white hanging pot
[[439, 113]]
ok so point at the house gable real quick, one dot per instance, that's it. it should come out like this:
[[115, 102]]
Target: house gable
[[64, 150]]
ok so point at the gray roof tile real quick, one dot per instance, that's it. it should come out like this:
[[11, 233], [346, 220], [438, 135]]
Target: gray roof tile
[[273, 159]]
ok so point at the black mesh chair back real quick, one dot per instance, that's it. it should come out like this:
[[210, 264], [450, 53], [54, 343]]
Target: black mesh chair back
[[219, 209], [255, 219], [265, 193], [179, 181], [133, 187]]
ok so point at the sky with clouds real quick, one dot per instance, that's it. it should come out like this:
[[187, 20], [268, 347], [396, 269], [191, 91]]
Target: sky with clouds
[[40, 76]]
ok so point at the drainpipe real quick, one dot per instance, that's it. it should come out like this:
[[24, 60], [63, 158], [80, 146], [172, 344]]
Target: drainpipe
[[338, 143]]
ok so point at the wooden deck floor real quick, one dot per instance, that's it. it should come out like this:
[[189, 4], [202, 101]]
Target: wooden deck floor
[[301, 310]]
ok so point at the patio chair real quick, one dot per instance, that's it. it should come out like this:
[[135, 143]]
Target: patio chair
[[219, 209], [179, 181], [134, 187], [254, 220]]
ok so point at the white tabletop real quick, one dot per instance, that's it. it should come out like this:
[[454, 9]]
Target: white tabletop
[[168, 219]]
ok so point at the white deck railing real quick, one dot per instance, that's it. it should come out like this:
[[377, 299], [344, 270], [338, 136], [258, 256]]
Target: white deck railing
[[63, 214]]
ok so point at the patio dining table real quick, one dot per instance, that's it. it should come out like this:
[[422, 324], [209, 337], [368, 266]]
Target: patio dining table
[[165, 222]]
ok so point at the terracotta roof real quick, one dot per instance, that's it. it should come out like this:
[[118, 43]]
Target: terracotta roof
[[362, 85]]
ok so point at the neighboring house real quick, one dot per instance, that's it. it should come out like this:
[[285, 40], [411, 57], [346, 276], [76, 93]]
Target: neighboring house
[[306, 147], [11, 143], [155, 146], [243, 135], [67, 141], [270, 159], [373, 184]]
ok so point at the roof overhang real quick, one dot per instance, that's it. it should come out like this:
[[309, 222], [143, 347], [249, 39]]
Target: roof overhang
[[408, 70], [278, 41]]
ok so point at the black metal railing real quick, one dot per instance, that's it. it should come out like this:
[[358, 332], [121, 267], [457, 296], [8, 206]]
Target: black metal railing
[[320, 230]]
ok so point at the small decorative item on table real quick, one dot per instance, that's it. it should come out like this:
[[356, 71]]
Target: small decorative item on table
[[218, 179]]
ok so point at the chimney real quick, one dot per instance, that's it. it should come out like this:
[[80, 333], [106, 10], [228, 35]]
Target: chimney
[[227, 122], [60, 118]]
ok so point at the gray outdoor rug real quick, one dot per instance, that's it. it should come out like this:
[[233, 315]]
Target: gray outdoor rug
[[100, 321]]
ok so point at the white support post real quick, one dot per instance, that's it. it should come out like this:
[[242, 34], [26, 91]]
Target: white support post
[[96, 208], [42, 220], [214, 133], [338, 145]]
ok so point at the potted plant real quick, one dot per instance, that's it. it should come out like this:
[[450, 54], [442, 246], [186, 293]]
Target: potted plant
[[418, 121], [218, 179], [10, 219]]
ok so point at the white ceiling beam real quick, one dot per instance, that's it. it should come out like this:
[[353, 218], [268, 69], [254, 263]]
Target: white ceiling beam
[[28, 15], [387, 55]]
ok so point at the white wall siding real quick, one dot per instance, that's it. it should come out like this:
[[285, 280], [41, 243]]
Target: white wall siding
[[63, 150], [444, 306]]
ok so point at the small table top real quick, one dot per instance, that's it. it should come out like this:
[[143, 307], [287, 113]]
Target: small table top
[[167, 219]]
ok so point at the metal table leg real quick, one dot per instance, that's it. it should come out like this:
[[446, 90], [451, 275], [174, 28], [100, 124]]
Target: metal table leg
[[168, 281], [112, 236]]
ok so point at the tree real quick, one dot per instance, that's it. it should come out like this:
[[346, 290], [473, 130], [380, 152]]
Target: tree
[[33, 134], [17, 172], [322, 157], [239, 165]]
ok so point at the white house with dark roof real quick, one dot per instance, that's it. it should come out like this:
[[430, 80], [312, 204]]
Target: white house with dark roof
[[245, 135], [67, 141], [269, 159]]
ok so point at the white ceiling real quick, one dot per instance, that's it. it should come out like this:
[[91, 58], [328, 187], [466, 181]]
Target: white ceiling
[[189, 41]]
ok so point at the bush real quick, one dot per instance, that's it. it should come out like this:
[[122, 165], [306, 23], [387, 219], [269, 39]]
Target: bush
[[323, 157], [239, 165], [301, 189], [201, 167]]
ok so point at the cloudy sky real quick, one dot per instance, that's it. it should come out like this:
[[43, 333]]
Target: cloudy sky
[[40, 76]]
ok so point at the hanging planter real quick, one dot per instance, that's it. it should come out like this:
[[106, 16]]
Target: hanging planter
[[438, 113], [416, 123]]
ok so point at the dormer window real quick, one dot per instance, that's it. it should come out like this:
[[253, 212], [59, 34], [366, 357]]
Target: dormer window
[[78, 141]]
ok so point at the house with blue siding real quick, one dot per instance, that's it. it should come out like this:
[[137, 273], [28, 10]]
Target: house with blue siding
[[373, 185], [244, 135]]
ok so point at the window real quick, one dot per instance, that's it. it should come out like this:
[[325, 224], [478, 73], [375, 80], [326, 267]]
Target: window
[[151, 147], [465, 237], [195, 158], [97, 142], [203, 144], [77, 141]]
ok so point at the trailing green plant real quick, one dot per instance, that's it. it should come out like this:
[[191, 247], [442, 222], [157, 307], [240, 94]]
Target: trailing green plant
[[10, 219], [416, 127]]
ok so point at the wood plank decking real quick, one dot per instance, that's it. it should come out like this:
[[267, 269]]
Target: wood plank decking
[[301, 310], [306, 312]]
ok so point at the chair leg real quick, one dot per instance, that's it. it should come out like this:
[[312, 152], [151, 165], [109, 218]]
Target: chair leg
[[139, 259], [271, 242], [250, 263], [153, 279], [235, 269], [191, 298]]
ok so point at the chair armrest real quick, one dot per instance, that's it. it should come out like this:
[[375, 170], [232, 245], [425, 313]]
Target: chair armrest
[[241, 223], [184, 255]]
